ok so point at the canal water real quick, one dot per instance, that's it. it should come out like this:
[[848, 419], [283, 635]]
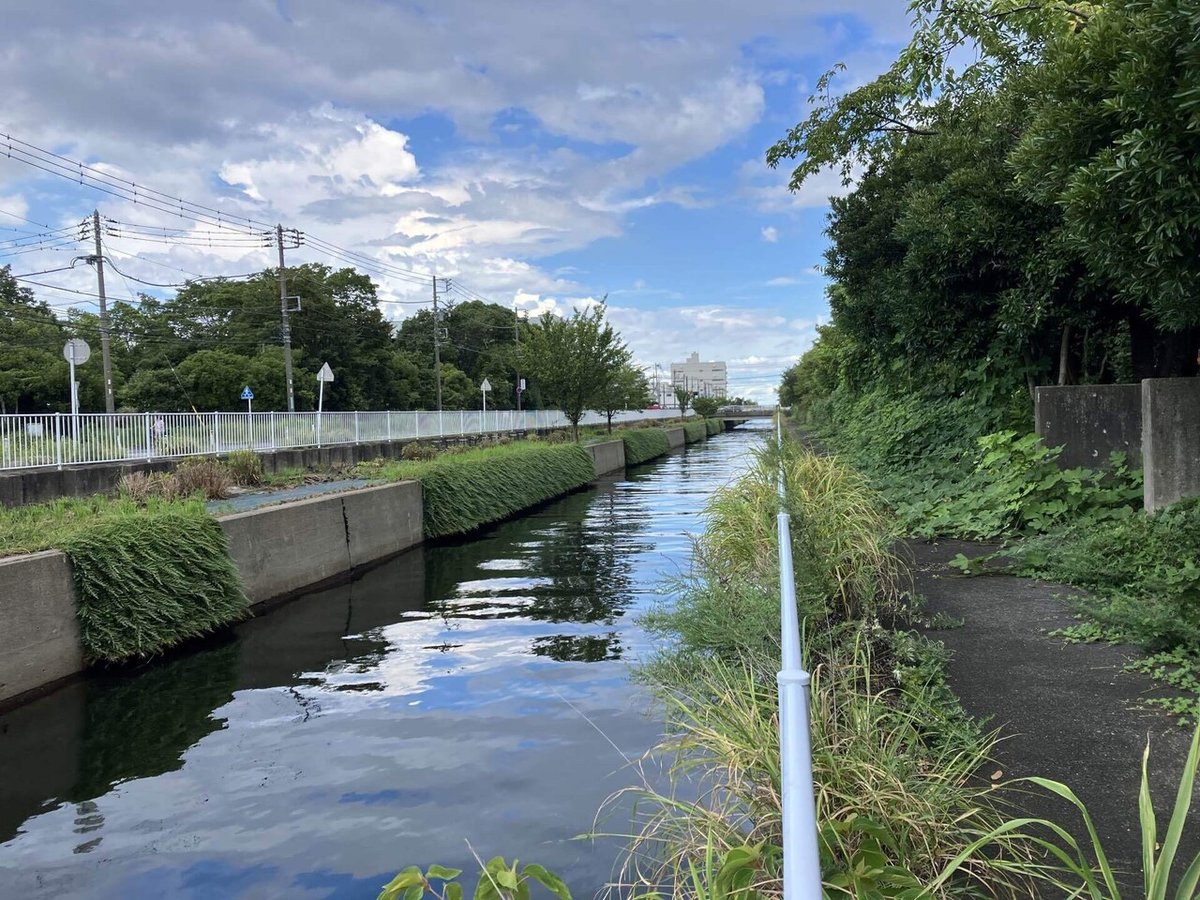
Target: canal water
[[464, 697]]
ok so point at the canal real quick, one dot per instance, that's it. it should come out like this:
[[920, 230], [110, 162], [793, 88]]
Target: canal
[[471, 691]]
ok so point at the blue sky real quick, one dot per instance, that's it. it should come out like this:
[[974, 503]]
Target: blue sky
[[542, 155]]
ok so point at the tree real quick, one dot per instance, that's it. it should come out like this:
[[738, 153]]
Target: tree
[[628, 389], [574, 360], [33, 373], [707, 406], [684, 398]]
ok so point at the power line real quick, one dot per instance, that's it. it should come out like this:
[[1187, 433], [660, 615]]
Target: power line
[[97, 179]]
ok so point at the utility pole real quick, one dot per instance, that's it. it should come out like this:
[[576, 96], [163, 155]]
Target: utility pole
[[104, 349], [517, 338], [437, 344], [287, 328]]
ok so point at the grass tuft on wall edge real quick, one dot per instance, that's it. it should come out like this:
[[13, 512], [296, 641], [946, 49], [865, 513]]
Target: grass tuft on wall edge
[[644, 444], [465, 491], [146, 583]]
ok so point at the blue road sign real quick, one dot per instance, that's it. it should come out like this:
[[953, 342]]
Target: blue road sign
[[247, 394]]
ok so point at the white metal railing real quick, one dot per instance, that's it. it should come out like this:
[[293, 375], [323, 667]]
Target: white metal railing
[[801, 856], [61, 439]]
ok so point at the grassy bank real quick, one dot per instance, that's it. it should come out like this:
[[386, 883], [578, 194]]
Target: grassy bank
[[901, 808], [147, 575], [694, 431], [713, 426], [465, 491], [644, 444]]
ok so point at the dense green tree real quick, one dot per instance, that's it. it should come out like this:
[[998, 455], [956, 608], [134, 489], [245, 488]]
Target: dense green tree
[[627, 389], [573, 359], [33, 373]]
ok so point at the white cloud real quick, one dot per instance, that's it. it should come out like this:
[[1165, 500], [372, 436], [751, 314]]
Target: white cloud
[[770, 234]]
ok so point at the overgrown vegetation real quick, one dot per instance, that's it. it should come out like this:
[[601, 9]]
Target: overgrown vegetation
[[895, 757], [147, 576], [146, 582], [902, 811], [465, 491], [644, 444], [694, 431], [713, 426]]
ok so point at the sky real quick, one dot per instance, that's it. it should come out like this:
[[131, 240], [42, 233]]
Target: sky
[[538, 154]]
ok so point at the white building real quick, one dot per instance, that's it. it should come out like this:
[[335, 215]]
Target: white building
[[706, 379]]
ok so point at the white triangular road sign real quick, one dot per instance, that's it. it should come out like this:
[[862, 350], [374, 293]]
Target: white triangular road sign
[[326, 373], [486, 386]]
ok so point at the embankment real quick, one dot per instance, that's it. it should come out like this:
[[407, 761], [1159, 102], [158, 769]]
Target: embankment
[[132, 587]]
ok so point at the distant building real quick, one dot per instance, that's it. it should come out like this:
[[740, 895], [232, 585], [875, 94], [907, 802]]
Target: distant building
[[707, 379]]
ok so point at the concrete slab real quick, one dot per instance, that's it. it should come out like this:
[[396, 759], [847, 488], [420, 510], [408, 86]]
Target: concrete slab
[[676, 437], [39, 640], [1170, 440], [1090, 422], [607, 457], [382, 521]]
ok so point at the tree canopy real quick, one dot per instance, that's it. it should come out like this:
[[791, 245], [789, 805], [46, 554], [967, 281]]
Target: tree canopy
[[1024, 201]]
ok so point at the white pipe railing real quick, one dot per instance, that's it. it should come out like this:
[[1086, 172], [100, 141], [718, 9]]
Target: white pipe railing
[[801, 855], [55, 440]]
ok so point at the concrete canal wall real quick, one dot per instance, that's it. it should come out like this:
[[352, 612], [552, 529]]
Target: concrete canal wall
[[39, 640], [676, 437], [608, 457], [279, 551], [1170, 440]]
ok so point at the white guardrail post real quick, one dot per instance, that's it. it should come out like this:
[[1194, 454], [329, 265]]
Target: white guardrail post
[[801, 857]]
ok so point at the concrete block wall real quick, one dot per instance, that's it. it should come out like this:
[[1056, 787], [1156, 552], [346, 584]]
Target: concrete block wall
[[607, 457], [283, 550], [676, 437], [1089, 422], [1170, 440], [39, 637]]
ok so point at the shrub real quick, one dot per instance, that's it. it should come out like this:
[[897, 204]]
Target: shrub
[[694, 431], [205, 476], [557, 436], [642, 444], [146, 582], [246, 467], [465, 491], [713, 426], [138, 486], [418, 450]]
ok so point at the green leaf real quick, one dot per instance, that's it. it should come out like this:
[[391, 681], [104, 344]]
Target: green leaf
[[548, 880], [436, 871]]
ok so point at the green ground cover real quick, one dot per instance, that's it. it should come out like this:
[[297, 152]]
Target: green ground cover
[[644, 444], [694, 431], [467, 490]]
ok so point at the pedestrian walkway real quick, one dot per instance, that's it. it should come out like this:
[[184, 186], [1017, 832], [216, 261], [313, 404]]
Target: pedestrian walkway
[[1067, 711], [255, 499]]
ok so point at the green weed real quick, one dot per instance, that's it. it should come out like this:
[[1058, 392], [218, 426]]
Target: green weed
[[644, 444]]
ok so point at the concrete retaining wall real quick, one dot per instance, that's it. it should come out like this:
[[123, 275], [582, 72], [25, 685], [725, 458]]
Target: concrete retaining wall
[[676, 437], [1090, 421], [282, 550], [1170, 440], [607, 457], [39, 635]]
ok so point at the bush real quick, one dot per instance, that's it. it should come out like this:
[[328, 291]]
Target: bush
[[138, 486], [205, 476], [642, 444], [557, 436], [713, 426], [418, 450], [246, 467], [465, 491], [149, 581], [694, 431]]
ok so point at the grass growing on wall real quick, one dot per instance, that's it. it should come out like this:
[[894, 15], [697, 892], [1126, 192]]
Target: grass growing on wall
[[644, 444], [147, 576], [713, 426], [465, 491], [694, 431], [147, 582]]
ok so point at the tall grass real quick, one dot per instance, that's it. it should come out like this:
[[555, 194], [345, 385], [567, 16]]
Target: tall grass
[[465, 491], [644, 444], [694, 431], [713, 426], [901, 809]]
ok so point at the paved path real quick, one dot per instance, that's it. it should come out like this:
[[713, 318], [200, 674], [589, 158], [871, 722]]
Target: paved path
[[244, 502], [1069, 711]]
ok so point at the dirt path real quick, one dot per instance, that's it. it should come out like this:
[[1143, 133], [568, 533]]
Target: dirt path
[[1069, 711]]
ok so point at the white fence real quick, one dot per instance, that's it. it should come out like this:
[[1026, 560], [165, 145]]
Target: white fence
[[60, 439]]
